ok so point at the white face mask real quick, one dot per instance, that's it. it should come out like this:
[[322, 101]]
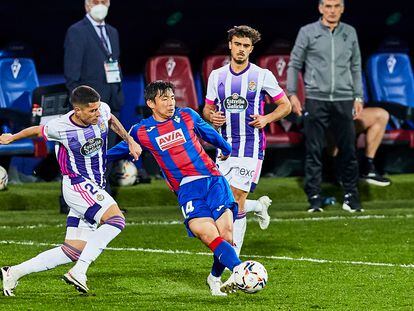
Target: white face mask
[[99, 12]]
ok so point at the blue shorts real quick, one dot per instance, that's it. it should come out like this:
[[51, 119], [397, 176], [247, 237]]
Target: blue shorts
[[206, 197]]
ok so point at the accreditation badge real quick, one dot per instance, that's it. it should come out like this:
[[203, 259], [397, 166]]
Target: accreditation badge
[[112, 72]]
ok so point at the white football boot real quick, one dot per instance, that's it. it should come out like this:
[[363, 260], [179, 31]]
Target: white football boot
[[9, 281], [215, 283], [230, 286], [77, 280], [263, 216]]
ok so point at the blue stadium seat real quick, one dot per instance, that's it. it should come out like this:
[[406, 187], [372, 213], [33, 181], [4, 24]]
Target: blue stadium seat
[[18, 79], [134, 103], [391, 78]]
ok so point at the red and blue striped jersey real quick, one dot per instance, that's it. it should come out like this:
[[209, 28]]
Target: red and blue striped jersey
[[175, 145]]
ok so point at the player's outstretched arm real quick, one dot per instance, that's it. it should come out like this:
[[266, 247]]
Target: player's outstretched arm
[[33, 131], [210, 135], [134, 148]]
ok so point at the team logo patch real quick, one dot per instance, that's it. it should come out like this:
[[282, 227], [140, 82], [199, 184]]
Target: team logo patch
[[100, 197], [92, 147], [171, 139], [102, 127], [391, 62], [15, 68], [252, 86], [235, 103]]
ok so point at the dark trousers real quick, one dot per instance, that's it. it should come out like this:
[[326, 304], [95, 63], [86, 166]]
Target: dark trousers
[[338, 116]]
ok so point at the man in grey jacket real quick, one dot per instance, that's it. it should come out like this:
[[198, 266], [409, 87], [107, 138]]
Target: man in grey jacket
[[329, 51]]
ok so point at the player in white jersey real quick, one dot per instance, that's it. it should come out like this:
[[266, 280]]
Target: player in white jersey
[[235, 105], [94, 218]]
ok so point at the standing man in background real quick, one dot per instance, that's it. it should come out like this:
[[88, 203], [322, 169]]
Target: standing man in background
[[329, 51], [92, 57], [233, 105]]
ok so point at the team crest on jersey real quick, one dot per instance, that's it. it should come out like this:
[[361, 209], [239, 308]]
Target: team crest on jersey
[[177, 119], [252, 86], [171, 139], [102, 127], [92, 147], [235, 103]]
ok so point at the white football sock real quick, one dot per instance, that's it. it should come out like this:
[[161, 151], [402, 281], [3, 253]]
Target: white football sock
[[252, 206], [239, 230], [44, 261], [94, 247]]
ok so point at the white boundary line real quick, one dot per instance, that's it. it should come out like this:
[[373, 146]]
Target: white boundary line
[[179, 222], [183, 252]]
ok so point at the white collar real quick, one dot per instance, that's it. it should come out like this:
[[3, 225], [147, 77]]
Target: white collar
[[94, 22]]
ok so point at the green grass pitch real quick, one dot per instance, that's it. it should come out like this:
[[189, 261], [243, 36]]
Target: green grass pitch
[[328, 261]]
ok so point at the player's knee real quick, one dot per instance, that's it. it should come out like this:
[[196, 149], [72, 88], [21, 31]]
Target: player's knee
[[117, 221], [72, 252], [383, 116]]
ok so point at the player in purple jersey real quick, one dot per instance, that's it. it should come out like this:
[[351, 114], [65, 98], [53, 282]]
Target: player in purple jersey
[[235, 105], [208, 206], [80, 138]]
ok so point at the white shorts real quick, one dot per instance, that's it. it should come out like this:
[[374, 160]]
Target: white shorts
[[242, 173], [87, 204]]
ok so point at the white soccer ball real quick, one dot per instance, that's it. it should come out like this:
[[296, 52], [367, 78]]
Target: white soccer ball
[[4, 178], [250, 276], [124, 173]]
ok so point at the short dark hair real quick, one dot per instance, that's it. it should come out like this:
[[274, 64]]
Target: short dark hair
[[83, 95], [244, 31], [152, 89]]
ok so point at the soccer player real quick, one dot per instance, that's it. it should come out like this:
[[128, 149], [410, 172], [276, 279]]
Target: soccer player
[[234, 104], [208, 206], [81, 139]]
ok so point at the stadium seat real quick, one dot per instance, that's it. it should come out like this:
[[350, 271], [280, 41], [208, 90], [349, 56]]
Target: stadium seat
[[392, 136], [280, 133], [213, 62], [176, 69], [391, 78], [18, 79], [134, 104], [278, 65]]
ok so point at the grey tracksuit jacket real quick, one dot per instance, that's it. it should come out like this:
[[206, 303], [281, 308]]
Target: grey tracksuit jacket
[[332, 63]]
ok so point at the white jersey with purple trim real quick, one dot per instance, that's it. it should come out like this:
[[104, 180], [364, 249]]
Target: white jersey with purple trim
[[239, 95], [80, 151]]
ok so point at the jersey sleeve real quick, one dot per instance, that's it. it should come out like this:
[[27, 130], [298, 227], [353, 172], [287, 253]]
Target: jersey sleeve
[[50, 131], [271, 86], [105, 111], [206, 132], [121, 150], [211, 94]]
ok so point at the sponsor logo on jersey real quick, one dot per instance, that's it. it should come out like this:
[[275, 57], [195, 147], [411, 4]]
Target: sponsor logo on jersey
[[100, 197], [92, 147], [171, 139], [235, 103], [252, 86], [150, 128], [177, 119]]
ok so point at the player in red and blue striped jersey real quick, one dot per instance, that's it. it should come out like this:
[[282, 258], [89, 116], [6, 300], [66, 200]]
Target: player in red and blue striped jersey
[[172, 136]]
